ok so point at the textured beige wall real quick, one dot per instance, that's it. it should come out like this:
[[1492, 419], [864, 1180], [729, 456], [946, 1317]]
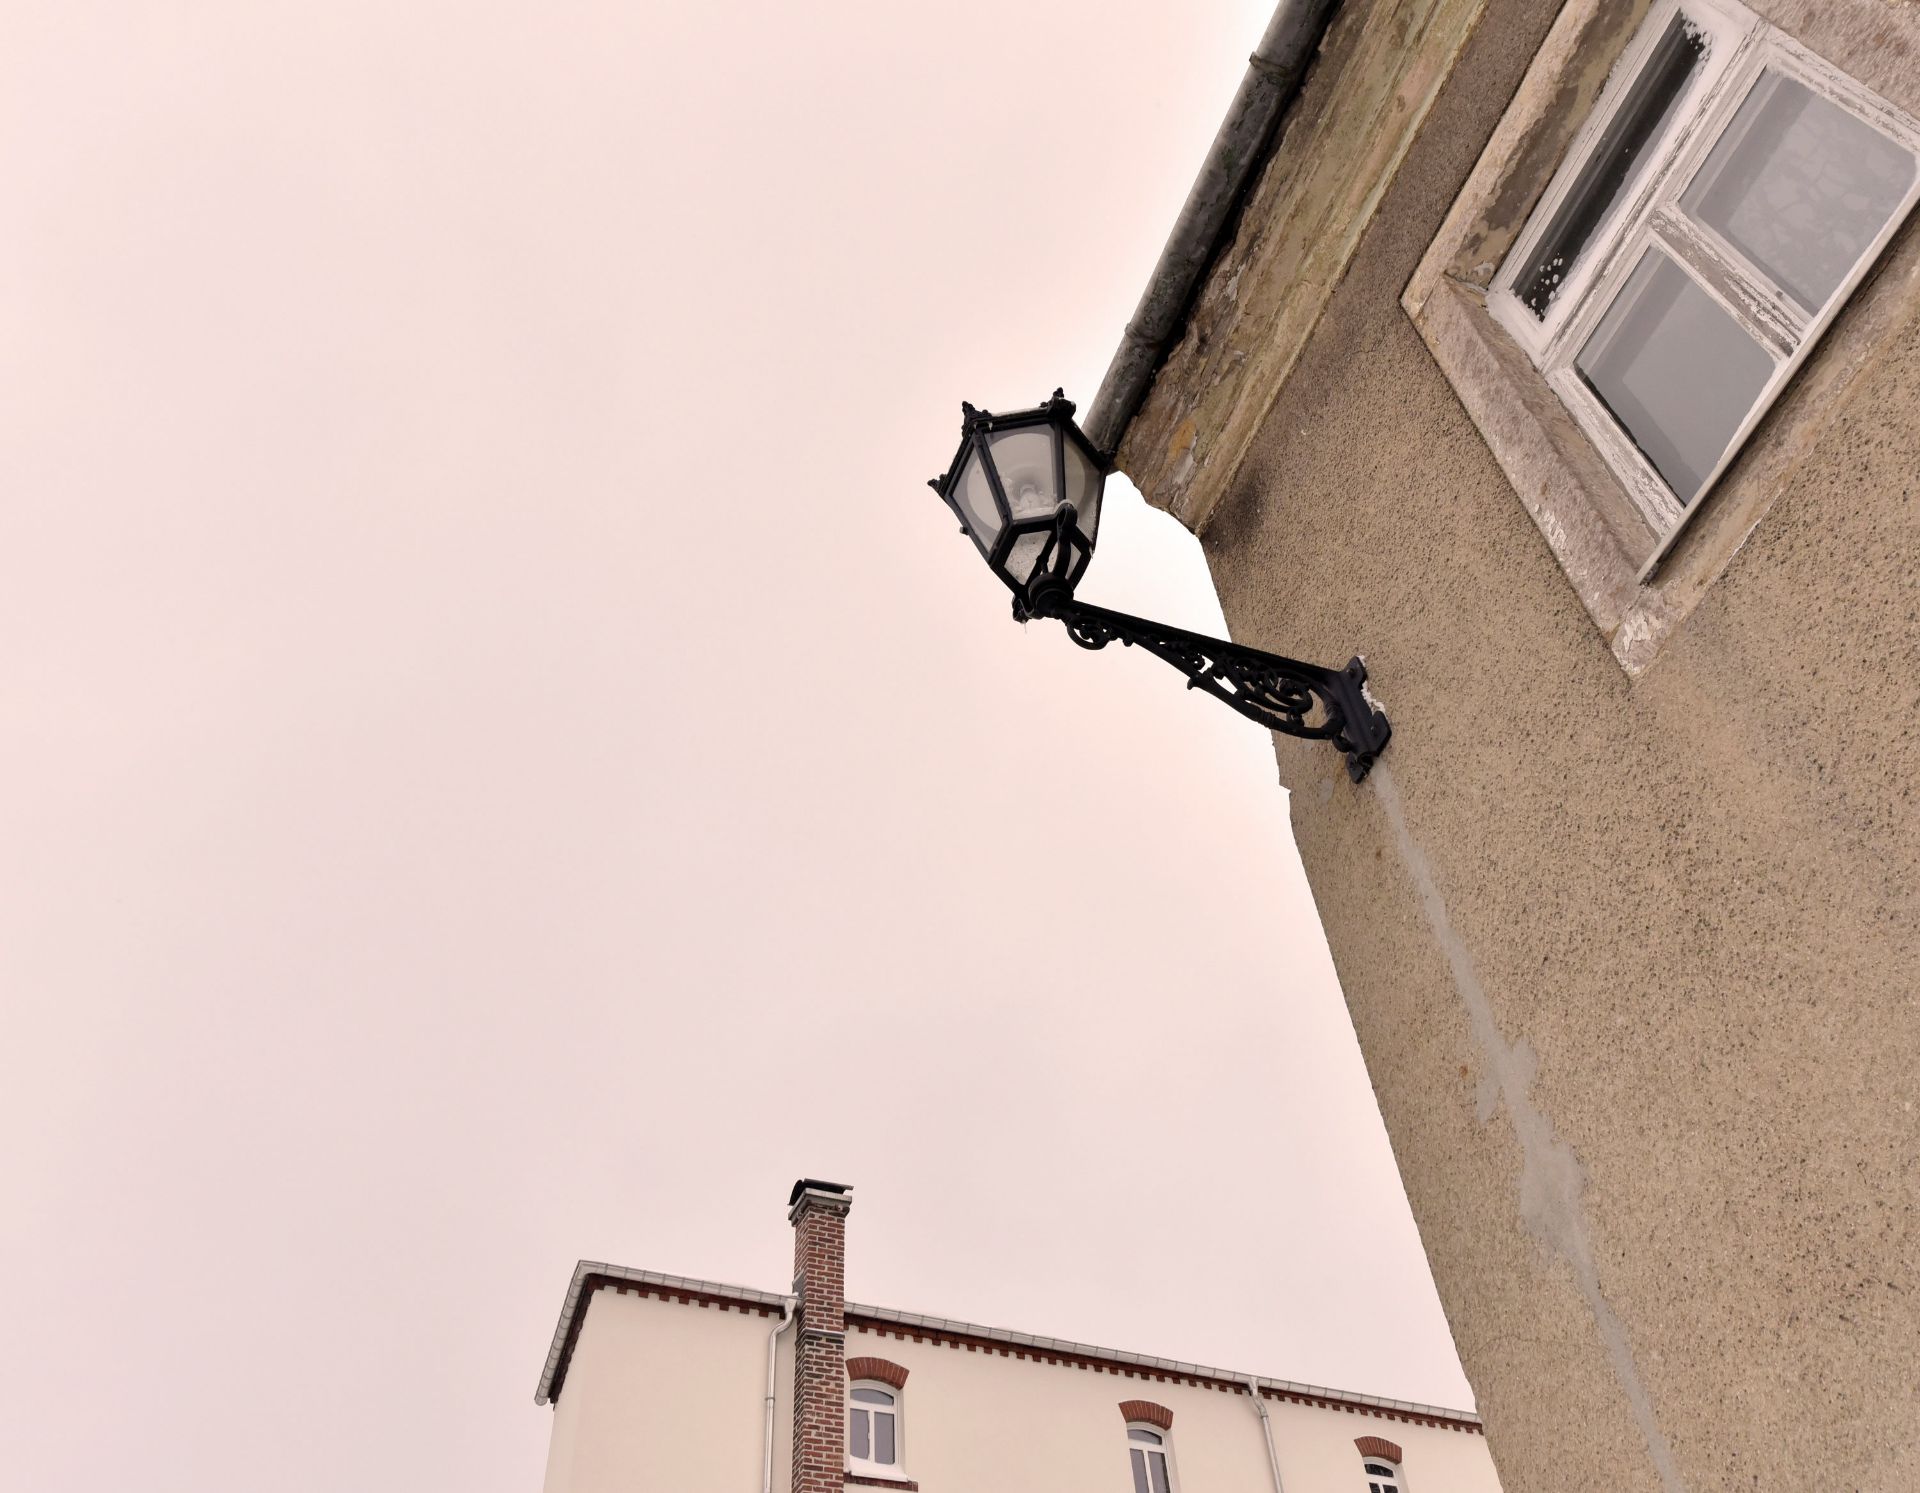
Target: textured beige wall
[[1633, 962]]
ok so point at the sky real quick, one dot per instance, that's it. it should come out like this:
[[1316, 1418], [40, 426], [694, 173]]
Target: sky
[[503, 760]]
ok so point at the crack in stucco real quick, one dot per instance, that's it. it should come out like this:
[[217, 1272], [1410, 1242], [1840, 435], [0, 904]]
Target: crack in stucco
[[1551, 1179]]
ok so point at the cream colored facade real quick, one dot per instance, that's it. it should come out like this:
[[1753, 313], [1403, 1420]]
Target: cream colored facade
[[665, 1394], [1628, 917]]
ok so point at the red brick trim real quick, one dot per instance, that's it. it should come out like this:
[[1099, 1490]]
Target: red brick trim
[[884, 1370], [1378, 1446], [1147, 1412], [865, 1480], [675, 1293], [819, 1456], [922, 1332]]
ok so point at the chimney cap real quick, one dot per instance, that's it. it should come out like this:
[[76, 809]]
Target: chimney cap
[[813, 1184]]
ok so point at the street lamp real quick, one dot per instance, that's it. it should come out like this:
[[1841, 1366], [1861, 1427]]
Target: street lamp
[[1026, 488]]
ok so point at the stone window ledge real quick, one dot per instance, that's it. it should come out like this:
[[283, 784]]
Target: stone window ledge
[[868, 1480]]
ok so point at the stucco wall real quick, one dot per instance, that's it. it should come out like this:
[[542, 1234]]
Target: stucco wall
[[1633, 961]]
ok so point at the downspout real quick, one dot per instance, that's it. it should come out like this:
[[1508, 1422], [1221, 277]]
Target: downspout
[[1266, 1426], [1273, 78], [773, 1358]]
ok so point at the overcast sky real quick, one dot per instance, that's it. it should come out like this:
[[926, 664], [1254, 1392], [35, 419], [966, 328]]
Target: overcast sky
[[503, 760]]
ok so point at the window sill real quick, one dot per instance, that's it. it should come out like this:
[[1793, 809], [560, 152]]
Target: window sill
[[1596, 535], [876, 1480]]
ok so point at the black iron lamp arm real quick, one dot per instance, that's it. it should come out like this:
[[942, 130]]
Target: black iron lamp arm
[[1282, 694]]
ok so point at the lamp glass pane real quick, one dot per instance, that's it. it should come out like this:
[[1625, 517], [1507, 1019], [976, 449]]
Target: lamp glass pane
[[1800, 186], [1076, 558], [1022, 557], [1024, 459], [1083, 489], [1675, 370], [973, 496]]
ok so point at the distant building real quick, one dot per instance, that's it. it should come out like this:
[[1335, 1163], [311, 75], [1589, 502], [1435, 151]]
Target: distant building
[[666, 1385]]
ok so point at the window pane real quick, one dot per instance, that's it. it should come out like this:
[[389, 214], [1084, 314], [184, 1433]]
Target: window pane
[[1800, 186], [1140, 1471], [1675, 370], [1614, 163], [1135, 1433], [1159, 1468], [857, 1433], [873, 1397], [883, 1438]]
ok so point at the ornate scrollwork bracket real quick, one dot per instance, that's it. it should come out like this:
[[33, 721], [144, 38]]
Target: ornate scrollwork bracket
[[1282, 694]]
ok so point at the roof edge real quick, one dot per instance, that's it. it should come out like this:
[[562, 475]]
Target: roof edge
[[1120, 1358], [590, 1275], [572, 1314], [1239, 150]]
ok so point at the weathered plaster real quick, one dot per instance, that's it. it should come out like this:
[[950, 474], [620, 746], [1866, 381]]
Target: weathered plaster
[[1551, 1182], [1662, 925], [1364, 99]]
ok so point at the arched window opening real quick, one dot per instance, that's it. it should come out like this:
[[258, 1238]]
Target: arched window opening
[[1147, 1449], [873, 1425], [1382, 1477]]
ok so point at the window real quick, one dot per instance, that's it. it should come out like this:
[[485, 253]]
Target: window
[[1382, 1477], [873, 1426], [1147, 1449], [1728, 192]]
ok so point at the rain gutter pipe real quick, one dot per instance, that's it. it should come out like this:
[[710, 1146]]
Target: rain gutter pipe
[[773, 1358], [1271, 83], [1266, 1426]]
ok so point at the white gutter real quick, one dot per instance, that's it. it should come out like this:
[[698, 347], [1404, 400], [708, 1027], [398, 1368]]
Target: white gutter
[[1266, 1425], [773, 1357]]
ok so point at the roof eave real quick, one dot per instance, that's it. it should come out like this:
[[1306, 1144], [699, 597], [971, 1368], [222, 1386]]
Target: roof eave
[[1239, 150], [572, 1316]]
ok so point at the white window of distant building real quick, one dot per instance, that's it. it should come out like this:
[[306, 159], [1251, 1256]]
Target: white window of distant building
[[873, 1426], [1727, 194], [1147, 1450], [1382, 1477]]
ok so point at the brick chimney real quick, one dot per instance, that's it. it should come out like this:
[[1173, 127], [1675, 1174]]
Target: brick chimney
[[818, 1212]]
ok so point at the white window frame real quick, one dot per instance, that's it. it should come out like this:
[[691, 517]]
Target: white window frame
[[1164, 1450], [866, 1465], [1740, 48], [1372, 1478]]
